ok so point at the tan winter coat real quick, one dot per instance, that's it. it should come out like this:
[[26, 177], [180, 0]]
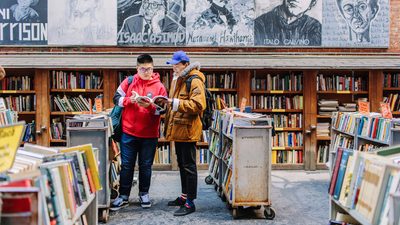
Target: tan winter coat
[[185, 125]]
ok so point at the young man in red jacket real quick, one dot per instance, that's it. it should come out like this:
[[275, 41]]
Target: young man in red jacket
[[140, 126]]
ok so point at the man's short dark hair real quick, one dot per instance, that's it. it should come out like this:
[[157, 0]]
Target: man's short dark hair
[[144, 58]]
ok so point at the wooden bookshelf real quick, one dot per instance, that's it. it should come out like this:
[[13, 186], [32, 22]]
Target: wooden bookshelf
[[43, 115]]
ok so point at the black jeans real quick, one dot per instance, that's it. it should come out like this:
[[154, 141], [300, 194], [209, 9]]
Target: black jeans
[[130, 147], [186, 156]]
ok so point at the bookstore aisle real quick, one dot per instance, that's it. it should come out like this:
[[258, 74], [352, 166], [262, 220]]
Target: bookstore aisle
[[299, 197]]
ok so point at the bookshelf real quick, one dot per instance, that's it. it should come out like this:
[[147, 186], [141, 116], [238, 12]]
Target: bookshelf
[[362, 184], [43, 116], [71, 92], [18, 89], [336, 90], [391, 90], [279, 94]]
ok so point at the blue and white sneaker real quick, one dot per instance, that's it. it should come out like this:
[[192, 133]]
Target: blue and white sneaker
[[145, 201], [119, 202]]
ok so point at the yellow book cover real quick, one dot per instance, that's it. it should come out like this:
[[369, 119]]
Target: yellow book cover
[[94, 170], [273, 157], [346, 181]]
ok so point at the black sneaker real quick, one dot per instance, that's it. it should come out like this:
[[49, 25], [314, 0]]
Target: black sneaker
[[177, 202], [118, 203], [185, 210]]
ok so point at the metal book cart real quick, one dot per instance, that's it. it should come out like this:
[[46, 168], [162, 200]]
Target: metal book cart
[[244, 164], [95, 132]]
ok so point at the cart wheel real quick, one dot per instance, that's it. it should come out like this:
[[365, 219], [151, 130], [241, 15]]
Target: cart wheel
[[235, 213], [114, 193], [228, 206], [269, 213], [104, 215], [215, 187], [223, 197], [209, 179]]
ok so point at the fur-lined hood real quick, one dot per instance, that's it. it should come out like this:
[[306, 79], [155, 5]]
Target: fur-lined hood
[[192, 66]]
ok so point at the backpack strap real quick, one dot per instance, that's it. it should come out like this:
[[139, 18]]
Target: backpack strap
[[189, 82], [130, 79]]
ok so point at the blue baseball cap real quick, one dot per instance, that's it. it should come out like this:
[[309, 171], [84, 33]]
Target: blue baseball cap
[[178, 57]]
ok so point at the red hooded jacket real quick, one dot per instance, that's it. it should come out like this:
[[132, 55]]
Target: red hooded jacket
[[136, 120]]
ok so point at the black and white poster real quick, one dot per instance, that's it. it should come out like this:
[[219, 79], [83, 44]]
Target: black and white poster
[[288, 23], [82, 22], [356, 23], [220, 23], [152, 22], [23, 22]]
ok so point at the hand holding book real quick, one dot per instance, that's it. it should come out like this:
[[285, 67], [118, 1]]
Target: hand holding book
[[160, 102]]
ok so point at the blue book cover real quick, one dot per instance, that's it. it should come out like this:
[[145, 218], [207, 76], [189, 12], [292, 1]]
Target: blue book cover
[[342, 171]]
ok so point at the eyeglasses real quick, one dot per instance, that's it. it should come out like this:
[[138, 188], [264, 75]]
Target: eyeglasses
[[144, 69], [152, 5]]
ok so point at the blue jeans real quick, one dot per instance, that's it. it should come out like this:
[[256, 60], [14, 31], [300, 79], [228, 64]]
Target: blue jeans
[[130, 147]]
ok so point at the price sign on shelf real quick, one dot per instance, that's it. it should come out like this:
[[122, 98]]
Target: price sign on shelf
[[385, 110], [363, 107], [10, 139], [243, 104]]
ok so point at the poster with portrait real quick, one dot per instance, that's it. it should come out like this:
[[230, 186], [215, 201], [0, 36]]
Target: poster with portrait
[[23, 22], [356, 23], [220, 23], [151, 22], [82, 22], [288, 23]]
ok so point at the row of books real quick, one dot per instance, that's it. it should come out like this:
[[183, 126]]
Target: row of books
[[393, 100], [57, 129], [342, 141], [288, 139], [70, 103], [163, 155], [375, 127], [289, 120], [391, 80], [21, 103], [323, 153], [287, 157], [288, 82], [341, 83], [8, 117], [30, 132], [323, 129], [75, 80], [18, 83], [230, 100], [48, 186], [362, 183], [276, 102], [225, 81], [204, 156], [345, 122]]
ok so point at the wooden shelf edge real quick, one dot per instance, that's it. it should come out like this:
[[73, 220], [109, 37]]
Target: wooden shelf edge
[[323, 138], [222, 89], [16, 92], [286, 148], [77, 90], [162, 167], [275, 92], [278, 110], [278, 129], [342, 92], [288, 166], [58, 141]]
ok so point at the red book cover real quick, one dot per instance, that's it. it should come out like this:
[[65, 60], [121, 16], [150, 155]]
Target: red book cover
[[18, 183], [17, 203], [335, 171]]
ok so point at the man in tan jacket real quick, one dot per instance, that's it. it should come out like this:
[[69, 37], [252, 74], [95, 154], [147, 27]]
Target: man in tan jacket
[[184, 126]]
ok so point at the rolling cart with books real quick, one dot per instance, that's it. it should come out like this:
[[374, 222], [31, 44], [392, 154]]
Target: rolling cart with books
[[95, 131], [242, 174]]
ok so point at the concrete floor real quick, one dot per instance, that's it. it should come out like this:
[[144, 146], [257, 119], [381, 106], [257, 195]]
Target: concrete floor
[[298, 197]]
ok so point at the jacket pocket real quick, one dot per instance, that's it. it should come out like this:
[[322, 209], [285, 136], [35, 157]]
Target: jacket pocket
[[181, 128]]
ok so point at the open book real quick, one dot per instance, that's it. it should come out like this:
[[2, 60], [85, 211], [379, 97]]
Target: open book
[[158, 101]]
